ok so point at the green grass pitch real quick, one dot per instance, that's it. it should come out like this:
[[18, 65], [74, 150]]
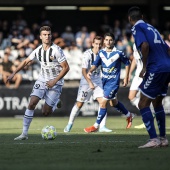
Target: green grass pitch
[[77, 150]]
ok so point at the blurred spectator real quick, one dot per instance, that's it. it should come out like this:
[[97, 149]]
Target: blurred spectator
[[6, 68], [27, 71], [81, 38], [68, 36], [28, 38], [117, 30]]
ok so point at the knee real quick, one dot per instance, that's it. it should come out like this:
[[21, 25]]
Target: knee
[[32, 106]]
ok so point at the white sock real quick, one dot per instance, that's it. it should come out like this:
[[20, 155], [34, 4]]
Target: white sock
[[74, 113], [135, 102], [96, 125], [27, 120]]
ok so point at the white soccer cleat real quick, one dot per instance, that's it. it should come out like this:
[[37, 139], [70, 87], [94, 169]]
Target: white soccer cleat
[[142, 126], [21, 137], [164, 141], [152, 143], [68, 128], [104, 129]]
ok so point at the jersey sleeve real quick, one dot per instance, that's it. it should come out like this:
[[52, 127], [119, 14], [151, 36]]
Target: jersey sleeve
[[32, 55], [98, 60], [60, 56], [139, 36], [124, 59]]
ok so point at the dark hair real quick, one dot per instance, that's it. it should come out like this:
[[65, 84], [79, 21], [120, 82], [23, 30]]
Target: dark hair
[[135, 13], [45, 28], [97, 38], [110, 35]]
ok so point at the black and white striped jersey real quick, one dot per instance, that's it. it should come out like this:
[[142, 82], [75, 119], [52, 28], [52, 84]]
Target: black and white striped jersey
[[50, 62]]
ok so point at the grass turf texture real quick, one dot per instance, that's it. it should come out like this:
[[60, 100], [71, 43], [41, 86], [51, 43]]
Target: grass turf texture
[[77, 150]]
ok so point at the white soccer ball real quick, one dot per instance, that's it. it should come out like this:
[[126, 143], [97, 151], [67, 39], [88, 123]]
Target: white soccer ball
[[49, 132]]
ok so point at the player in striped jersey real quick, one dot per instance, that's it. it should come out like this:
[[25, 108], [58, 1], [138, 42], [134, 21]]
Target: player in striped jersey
[[110, 60], [155, 55], [89, 87], [54, 67]]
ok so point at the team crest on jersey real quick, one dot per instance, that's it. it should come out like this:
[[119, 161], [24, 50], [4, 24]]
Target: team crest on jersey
[[52, 57]]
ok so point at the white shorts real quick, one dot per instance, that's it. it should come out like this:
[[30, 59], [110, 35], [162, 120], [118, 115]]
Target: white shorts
[[85, 93], [135, 83], [51, 95]]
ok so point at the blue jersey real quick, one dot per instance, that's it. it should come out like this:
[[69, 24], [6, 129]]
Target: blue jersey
[[158, 58], [111, 65]]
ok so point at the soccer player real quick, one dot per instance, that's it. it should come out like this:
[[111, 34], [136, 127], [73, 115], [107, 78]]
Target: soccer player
[[49, 84], [155, 73], [110, 60], [89, 87], [134, 94]]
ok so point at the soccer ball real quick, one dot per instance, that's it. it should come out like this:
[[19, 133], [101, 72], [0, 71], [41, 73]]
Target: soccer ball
[[49, 132]]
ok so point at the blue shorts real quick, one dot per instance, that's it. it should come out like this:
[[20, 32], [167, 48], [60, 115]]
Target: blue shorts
[[155, 84], [110, 89]]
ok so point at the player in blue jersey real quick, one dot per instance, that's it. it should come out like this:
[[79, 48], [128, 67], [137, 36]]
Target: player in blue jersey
[[155, 73], [110, 60]]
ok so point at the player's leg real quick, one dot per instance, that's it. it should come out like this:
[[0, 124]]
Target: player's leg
[[74, 113], [121, 108], [37, 94], [150, 88], [103, 127], [101, 115], [28, 116], [84, 94]]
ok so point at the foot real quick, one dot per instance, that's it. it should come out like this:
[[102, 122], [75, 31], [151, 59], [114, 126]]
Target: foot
[[152, 143], [104, 129], [59, 104], [21, 137], [164, 141], [90, 129], [129, 120], [68, 128], [142, 126]]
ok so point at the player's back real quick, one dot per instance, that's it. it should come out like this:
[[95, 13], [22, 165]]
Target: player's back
[[158, 57]]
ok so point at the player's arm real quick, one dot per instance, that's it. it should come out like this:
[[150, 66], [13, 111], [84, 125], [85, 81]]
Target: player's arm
[[144, 52], [65, 69], [20, 67], [132, 67], [84, 72], [126, 78]]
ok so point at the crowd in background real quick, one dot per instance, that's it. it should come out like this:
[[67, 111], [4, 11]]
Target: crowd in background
[[18, 40]]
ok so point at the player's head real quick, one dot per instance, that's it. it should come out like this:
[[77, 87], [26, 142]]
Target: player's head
[[109, 40], [45, 28], [97, 42], [134, 14], [45, 34]]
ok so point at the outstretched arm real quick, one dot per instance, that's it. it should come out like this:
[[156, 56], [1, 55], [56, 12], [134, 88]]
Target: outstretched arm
[[20, 67], [90, 71]]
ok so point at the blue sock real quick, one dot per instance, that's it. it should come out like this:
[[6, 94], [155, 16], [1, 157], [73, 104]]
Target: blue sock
[[101, 115], [148, 120], [121, 108], [160, 118]]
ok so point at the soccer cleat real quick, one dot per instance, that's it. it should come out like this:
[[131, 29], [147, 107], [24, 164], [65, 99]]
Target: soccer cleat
[[129, 120], [142, 126], [21, 137], [68, 128], [164, 141], [152, 143], [90, 129], [59, 104], [104, 129]]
